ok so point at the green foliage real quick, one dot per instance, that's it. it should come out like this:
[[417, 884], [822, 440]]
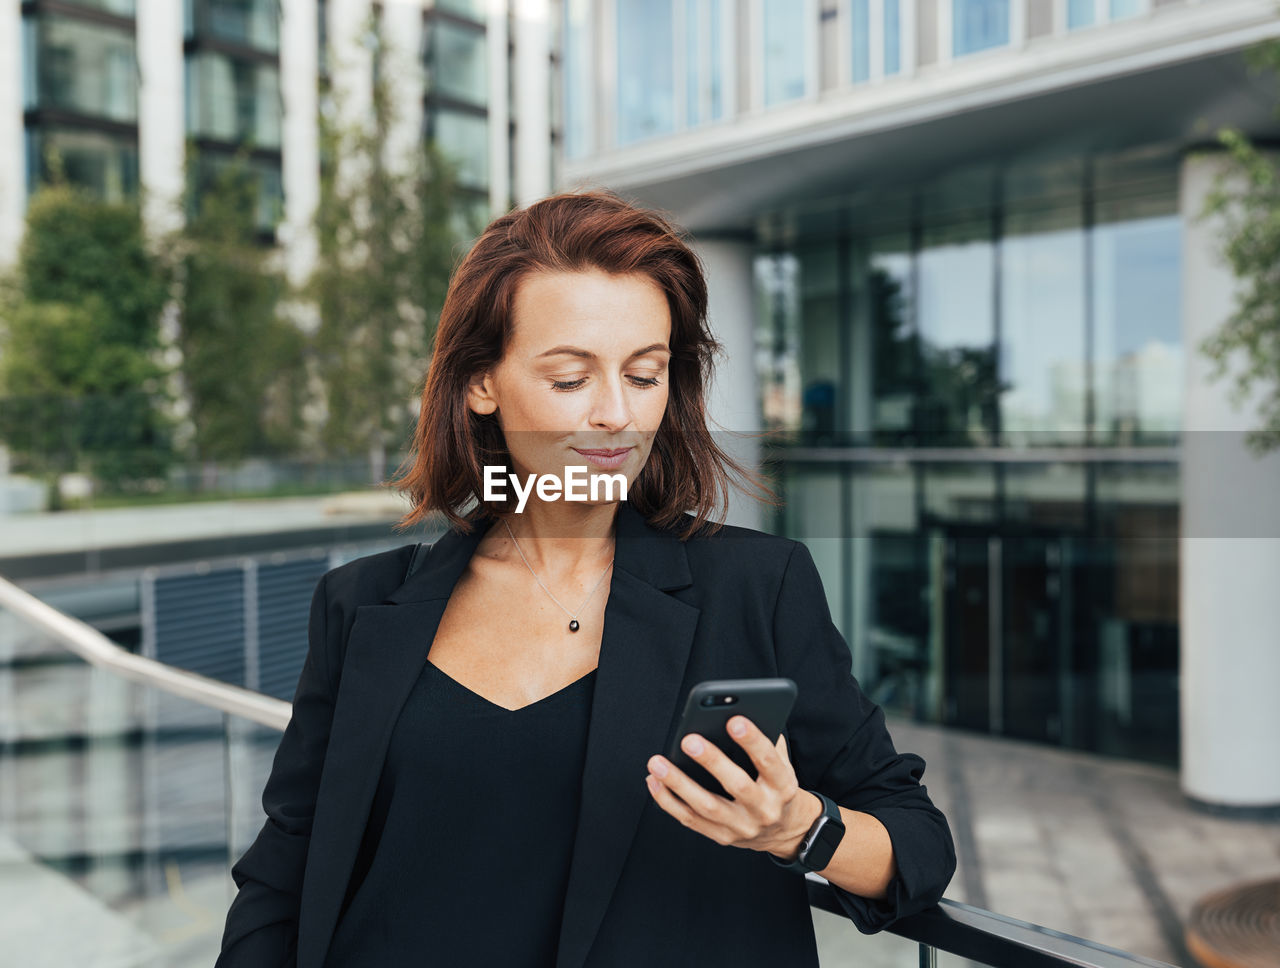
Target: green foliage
[[243, 366], [1248, 202], [385, 252], [82, 389]]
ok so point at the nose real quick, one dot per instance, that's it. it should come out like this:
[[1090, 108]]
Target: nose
[[610, 410]]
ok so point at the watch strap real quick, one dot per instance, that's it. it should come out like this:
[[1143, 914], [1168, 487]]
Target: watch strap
[[830, 814]]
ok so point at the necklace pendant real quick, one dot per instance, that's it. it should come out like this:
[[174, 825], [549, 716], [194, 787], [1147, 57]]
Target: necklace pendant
[[573, 625]]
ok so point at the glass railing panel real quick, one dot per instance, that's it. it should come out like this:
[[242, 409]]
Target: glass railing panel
[[121, 809]]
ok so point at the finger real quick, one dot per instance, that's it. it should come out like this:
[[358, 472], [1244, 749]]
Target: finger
[[677, 808], [773, 765], [702, 801], [736, 781]]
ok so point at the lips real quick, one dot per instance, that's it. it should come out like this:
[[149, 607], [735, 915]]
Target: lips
[[606, 457]]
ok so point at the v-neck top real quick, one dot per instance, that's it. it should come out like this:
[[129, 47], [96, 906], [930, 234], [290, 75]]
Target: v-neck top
[[465, 858]]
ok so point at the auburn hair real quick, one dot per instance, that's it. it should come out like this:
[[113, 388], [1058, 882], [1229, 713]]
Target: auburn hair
[[686, 469]]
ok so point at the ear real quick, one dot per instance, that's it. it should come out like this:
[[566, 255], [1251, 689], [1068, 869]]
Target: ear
[[480, 397]]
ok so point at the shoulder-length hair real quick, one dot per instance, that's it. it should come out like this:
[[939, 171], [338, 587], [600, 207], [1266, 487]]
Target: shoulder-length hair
[[686, 470]]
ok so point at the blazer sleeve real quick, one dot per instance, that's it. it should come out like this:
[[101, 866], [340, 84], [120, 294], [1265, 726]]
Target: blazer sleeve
[[262, 923], [839, 745]]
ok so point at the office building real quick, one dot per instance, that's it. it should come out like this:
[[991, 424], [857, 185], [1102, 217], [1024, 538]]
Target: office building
[[955, 254]]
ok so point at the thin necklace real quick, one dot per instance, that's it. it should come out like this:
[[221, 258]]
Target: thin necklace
[[573, 616]]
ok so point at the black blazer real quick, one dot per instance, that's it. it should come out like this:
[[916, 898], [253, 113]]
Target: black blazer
[[643, 889]]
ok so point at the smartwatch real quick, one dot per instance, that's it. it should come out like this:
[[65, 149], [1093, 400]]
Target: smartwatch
[[820, 843]]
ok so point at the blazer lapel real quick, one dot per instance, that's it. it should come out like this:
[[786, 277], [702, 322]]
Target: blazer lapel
[[386, 649], [644, 649]]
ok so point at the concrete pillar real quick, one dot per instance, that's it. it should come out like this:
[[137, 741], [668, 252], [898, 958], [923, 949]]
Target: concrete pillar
[[402, 28], [13, 150], [496, 41], [350, 71], [532, 30], [733, 404], [299, 92], [161, 115], [1229, 548]]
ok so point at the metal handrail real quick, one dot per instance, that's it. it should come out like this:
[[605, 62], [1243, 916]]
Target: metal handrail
[[958, 929], [989, 938], [94, 647]]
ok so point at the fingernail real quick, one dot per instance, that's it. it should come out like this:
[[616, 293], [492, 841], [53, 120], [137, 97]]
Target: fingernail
[[659, 768], [692, 745], [737, 727]]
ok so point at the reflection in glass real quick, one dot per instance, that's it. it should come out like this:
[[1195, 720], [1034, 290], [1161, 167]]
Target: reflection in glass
[[786, 41], [456, 64], [978, 25], [106, 164], [475, 9], [252, 23], [778, 339], [1138, 354], [233, 100], [121, 8], [820, 339], [1042, 305], [893, 338], [86, 68], [646, 82], [465, 138], [960, 385], [270, 186]]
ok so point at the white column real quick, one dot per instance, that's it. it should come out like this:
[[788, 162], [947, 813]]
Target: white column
[[733, 404], [161, 115], [532, 31], [350, 61], [1230, 549], [402, 28], [300, 135], [499, 107], [13, 144]]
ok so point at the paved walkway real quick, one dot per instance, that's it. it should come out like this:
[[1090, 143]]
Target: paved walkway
[[1105, 849]]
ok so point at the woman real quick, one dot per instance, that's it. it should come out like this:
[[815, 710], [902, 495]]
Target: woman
[[473, 773]]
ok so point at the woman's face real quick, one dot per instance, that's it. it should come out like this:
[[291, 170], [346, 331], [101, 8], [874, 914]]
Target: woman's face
[[584, 379]]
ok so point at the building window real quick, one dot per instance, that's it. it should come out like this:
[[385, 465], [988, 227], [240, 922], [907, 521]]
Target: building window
[[576, 78], [1079, 13], [106, 164], [787, 40], [704, 60], [264, 172], [892, 37], [456, 64], [233, 100], [121, 8], [245, 23], [646, 72], [472, 9], [979, 25], [860, 22], [1123, 9], [464, 137], [84, 68]]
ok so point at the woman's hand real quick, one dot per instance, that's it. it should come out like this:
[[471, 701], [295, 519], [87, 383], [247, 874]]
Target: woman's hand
[[770, 813]]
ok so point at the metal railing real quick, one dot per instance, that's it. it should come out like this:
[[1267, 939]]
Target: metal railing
[[956, 929]]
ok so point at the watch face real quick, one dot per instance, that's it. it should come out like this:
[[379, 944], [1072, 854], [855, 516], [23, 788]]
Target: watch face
[[823, 845]]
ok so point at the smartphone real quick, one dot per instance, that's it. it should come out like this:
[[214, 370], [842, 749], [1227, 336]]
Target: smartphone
[[710, 706]]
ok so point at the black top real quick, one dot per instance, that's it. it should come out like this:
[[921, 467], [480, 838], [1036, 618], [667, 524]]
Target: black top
[[465, 859]]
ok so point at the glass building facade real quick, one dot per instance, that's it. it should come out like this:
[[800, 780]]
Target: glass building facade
[[80, 96], [977, 387], [455, 58], [233, 99]]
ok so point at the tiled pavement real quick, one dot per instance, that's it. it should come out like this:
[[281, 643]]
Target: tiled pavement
[[1106, 849]]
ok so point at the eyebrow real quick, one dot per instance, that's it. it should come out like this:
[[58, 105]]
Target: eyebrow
[[587, 355]]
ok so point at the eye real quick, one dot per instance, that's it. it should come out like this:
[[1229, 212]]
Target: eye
[[568, 384], [645, 381]]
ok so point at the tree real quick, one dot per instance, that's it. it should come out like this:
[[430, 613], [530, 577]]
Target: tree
[[385, 240], [80, 333], [243, 366], [1249, 205]]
